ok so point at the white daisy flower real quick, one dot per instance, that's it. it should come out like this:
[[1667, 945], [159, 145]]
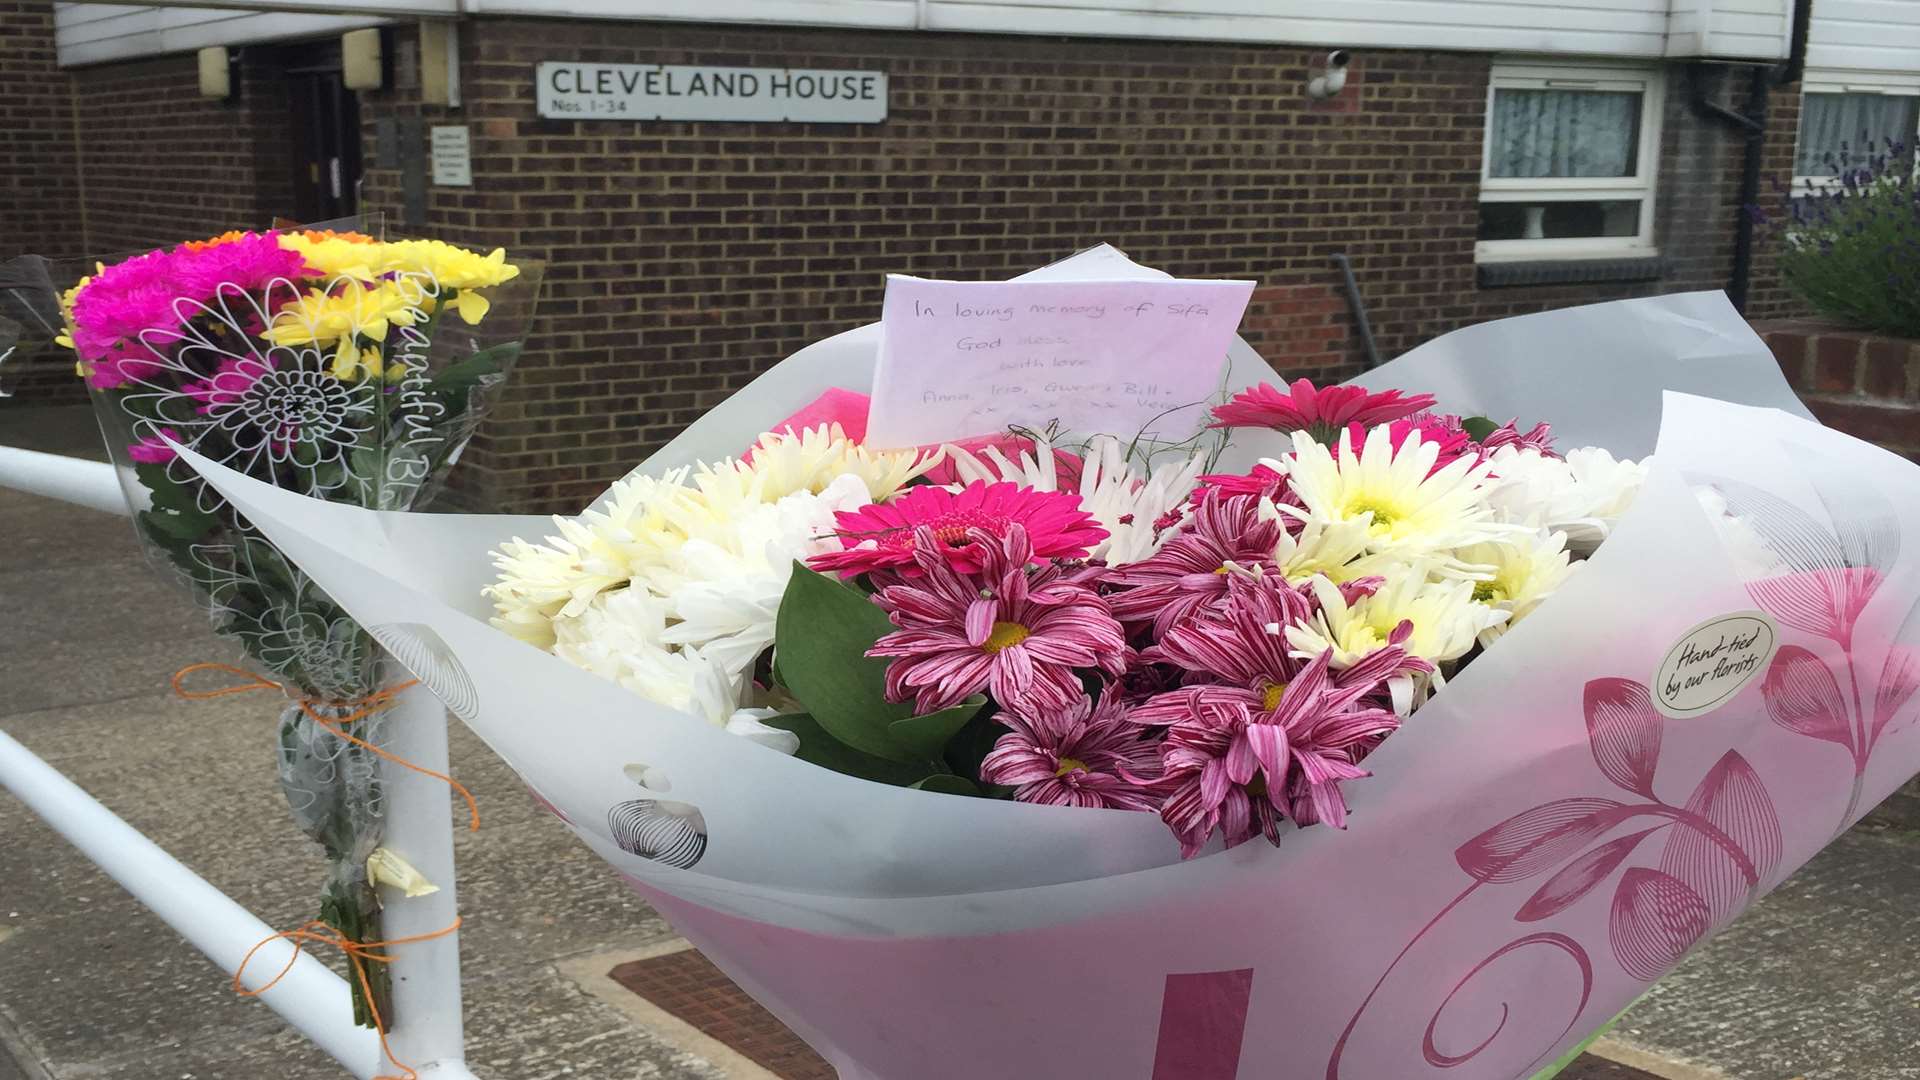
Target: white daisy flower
[[1517, 574], [1446, 621], [1409, 508]]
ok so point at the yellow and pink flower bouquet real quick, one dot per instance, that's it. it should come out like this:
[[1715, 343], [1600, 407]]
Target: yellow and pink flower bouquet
[[331, 364]]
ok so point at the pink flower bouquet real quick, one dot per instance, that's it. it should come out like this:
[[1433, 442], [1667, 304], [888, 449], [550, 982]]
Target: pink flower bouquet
[[1398, 731]]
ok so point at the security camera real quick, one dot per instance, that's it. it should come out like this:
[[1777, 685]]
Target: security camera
[[1330, 81]]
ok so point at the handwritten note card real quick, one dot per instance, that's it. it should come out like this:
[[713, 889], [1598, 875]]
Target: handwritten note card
[[960, 359]]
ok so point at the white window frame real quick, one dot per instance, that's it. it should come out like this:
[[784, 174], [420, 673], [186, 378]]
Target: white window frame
[[1650, 83], [1892, 84]]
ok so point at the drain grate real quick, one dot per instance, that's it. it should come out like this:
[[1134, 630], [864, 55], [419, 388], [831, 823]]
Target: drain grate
[[687, 985]]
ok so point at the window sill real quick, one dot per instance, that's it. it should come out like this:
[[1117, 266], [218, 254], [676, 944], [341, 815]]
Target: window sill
[[1590, 271]]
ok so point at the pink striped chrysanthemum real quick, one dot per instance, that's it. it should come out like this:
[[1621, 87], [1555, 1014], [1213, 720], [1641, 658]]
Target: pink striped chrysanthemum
[[1238, 763], [887, 536], [1020, 634], [1077, 755], [1189, 573], [1322, 411]]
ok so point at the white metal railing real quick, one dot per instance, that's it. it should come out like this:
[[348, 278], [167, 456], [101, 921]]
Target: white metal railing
[[427, 1035]]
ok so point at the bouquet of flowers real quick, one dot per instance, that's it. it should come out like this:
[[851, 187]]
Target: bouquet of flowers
[[1519, 724], [331, 364]]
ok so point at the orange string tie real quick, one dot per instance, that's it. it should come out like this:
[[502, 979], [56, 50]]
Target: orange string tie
[[358, 709], [358, 954]]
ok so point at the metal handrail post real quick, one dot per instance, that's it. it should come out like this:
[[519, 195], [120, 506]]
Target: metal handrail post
[[426, 974], [310, 997], [429, 1033]]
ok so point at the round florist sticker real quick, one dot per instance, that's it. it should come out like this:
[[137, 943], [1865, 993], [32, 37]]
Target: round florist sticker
[[1714, 661]]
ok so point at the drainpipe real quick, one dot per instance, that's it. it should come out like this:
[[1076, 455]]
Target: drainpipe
[[1751, 124]]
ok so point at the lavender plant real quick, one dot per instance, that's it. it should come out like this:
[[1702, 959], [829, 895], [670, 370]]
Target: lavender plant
[[1851, 248]]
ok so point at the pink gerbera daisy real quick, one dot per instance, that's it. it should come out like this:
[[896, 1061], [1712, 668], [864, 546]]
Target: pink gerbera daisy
[[1079, 755], [889, 535], [1019, 633], [1322, 411], [1262, 480], [1453, 441], [1189, 573]]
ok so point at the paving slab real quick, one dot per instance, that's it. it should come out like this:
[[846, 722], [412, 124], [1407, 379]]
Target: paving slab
[[1818, 981]]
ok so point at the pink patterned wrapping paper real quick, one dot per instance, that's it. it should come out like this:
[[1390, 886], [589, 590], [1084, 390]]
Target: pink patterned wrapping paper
[[1537, 845]]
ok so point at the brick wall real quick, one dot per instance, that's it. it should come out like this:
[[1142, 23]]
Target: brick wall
[[40, 205], [687, 257], [162, 164], [1867, 385]]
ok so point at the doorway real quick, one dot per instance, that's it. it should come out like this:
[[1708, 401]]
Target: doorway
[[325, 124]]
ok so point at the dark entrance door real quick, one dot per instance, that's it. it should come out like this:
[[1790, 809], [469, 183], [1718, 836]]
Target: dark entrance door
[[325, 122]]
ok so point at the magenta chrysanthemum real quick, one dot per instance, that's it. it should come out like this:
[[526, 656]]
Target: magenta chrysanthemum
[[1015, 632], [1079, 755], [1237, 766], [1322, 410], [152, 449], [249, 263], [886, 536], [1189, 573], [130, 313]]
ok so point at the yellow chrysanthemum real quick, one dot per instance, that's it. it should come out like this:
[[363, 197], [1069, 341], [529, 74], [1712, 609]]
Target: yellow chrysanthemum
[[352, 310], [454, 269], [65, 337], [334, 255]]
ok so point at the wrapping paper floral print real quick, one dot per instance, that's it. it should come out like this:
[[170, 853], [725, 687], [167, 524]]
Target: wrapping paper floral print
[[330, 364], [1533, 850]]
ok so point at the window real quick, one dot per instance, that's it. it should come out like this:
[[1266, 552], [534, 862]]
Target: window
[[1842, 126], [1571, 154]]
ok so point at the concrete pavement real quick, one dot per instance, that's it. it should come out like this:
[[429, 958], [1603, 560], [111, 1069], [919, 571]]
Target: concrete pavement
[[1821, 981]]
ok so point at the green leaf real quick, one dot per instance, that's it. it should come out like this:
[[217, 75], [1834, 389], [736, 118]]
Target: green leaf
[[468, 373], [819, 748], [1478, 427], [178, 526], [824, 630], [948, 784], [928, 736]]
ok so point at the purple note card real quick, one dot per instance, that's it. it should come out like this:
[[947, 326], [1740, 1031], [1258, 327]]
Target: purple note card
[[966, 358]]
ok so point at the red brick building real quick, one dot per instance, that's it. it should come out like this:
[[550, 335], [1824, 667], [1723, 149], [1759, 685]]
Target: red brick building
[[685, 256]]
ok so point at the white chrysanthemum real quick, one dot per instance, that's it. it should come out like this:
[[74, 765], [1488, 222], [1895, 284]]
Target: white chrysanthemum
[[1409, 507], [638, 529], [671, 586], [1583, 495], [782, 463], [725, 595], [1116, 496], [1518, 574], [619, 636]]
